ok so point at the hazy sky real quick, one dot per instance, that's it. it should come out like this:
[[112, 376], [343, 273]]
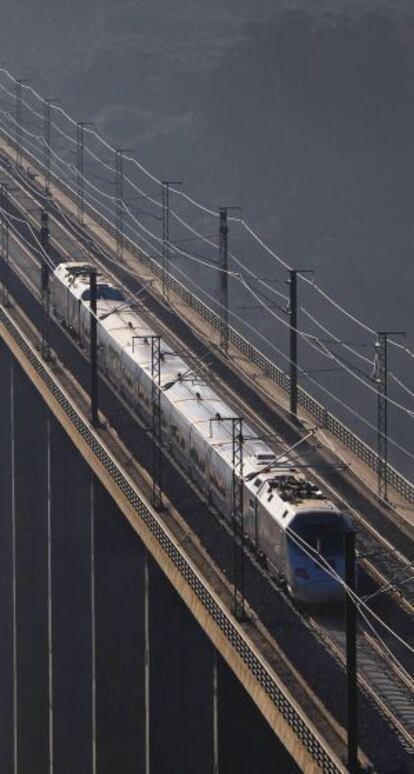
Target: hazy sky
[[301, 112]]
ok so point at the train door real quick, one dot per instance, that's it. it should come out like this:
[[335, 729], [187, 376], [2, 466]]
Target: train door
[[78, 319], [250, 514], [67, 308]]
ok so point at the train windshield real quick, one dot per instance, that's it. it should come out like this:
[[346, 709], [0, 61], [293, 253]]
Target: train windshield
[[105, 293], [321, 532]]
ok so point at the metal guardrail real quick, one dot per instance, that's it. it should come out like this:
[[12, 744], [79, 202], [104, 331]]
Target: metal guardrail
[[290, 713], [324, 417]]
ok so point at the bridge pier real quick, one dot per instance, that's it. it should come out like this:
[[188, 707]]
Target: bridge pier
[[71, 675], [29, 517], [181, 684], [6, 567], [120, 640]]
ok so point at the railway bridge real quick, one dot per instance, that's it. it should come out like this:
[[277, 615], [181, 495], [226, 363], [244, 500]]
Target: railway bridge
[[120, 644]]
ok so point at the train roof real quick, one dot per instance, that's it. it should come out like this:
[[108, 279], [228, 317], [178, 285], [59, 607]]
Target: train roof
[[76, 275], [192, 397], [286, 493], [195, 400]]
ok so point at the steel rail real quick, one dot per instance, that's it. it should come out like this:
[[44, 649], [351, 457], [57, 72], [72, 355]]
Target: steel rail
[[379, 678]]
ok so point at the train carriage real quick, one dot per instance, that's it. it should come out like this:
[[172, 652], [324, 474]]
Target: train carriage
[[287, 519]]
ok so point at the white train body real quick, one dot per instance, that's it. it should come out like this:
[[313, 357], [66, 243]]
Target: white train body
[[281, 507]]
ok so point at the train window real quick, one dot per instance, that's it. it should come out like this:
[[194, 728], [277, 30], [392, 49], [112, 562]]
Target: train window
[[105, 293], [219, 486], [321, 532], [109, 294], [127, 376], [268, 457], [198, 460], [270, 498], [285, 514]]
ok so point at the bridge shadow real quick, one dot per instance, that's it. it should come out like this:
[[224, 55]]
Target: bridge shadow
[[100, 660]]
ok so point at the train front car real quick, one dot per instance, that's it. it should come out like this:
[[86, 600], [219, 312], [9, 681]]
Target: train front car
[[315, 553]]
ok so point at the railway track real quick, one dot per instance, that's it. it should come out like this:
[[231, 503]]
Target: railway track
[[379, 676], [388, 685]]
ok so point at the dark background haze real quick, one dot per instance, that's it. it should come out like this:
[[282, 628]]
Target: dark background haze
[[301, 112]]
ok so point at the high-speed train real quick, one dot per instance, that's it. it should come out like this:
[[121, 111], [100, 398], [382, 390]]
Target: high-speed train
[[287, 519]]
